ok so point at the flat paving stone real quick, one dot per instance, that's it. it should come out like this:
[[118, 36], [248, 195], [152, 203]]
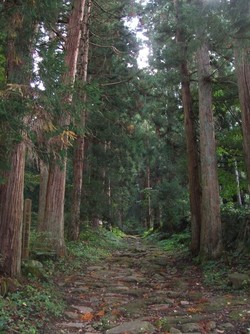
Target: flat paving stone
[[82, 309], [133, 327]]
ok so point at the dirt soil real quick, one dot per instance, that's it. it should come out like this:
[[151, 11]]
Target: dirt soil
[[142, 289]]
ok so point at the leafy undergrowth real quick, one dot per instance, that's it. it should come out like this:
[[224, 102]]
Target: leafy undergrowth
[[92, 247], [26, 310], [176, 243], [36, 300]]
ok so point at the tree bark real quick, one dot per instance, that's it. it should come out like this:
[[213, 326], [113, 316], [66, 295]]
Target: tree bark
[[211, 235], [11, 191], [78, 159], [191, 143], [242, 62], [26, 228], [11, 214], [44, 174], [237, 180], [149, 206], [55, 196], [54, 210]]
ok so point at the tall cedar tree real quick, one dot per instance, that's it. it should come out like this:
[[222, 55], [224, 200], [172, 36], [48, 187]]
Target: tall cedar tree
[[211, 234], [54, 207], [78, 158], [191, 140], [242, 63], [18, 42]]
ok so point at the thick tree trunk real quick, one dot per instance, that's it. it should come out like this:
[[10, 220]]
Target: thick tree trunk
[[54, 210], [11, 214], [11, 191], [211, 235], [78, 159], [191, 143]]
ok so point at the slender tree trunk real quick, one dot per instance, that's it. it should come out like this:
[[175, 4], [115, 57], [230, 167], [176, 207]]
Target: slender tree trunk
[[191, 143], [44, 174], [237, 180], [211, 235], [78, 159], [242, 62], [157, 217], [195, 195], [54, 210], [11, 214], [26, 228], [149, 206]]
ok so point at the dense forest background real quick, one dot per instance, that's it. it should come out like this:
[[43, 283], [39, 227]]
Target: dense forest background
[[91, 137]]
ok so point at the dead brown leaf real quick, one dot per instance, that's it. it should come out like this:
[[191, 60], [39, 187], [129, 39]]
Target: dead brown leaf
[[100, 313], [87, 317]]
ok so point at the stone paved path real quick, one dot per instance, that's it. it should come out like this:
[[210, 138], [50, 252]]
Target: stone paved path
[[141, 290]]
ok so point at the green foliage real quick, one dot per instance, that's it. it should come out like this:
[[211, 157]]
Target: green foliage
[[30, 307], [2, 69], [164, 324], [235, 220], [215, 275], [132, 226], [177, 242], [26, 310], [93, 246], [117, 232]]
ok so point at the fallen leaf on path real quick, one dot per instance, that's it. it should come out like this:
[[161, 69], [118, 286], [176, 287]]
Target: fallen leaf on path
[[194, 309], [100, 313], [87, 317]]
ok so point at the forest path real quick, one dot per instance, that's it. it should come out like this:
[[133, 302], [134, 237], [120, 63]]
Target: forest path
[[142, 289]]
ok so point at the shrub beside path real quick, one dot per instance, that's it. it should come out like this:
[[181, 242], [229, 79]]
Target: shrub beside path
[[143, 289]]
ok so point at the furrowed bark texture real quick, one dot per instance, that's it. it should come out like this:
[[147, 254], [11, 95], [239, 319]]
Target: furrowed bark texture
[[11, 191], [242, 60], [78, 159], [191, 143], [11, 214], [26, 228], [44, 174], [54, 210], [211, 235]]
